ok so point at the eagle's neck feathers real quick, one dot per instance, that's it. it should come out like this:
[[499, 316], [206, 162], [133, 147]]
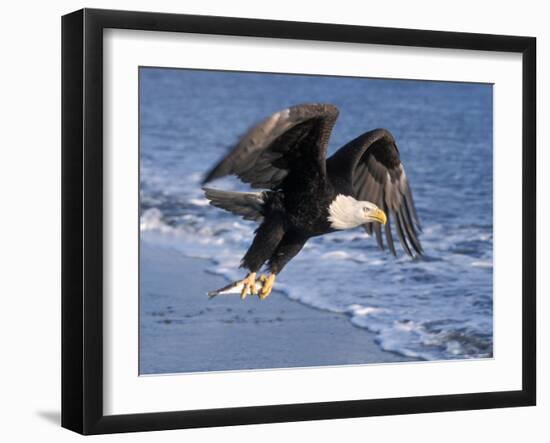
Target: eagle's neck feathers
[[345, 212]]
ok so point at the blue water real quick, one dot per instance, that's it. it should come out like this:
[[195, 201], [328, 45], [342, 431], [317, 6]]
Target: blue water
[[437, 307]]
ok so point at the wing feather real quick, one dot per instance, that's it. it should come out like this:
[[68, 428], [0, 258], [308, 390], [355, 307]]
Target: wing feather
[[387, 230], [266, 154], [400, 232], [378, 232], [371, 166]]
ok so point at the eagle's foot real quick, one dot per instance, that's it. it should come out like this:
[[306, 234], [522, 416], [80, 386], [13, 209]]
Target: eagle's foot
[[267, 285], [249, 285]]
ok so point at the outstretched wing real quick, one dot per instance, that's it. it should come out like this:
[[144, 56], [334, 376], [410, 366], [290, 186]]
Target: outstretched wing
[[287, 140], [370, 164]]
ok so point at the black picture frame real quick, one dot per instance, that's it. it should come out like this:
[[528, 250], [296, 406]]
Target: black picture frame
[[82, 218]]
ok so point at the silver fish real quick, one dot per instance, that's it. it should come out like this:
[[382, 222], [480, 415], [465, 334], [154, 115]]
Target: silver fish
[[233, 288]]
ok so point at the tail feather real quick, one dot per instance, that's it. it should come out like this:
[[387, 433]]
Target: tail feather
[[248, 205]]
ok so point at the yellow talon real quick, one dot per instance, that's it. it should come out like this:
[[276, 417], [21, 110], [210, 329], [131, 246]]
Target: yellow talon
[[267, 285], [249, 285]]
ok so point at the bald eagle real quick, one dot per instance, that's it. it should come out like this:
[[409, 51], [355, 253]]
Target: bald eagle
[[304, 194]]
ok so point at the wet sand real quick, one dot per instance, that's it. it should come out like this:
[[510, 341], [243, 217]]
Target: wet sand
[[182, 330]]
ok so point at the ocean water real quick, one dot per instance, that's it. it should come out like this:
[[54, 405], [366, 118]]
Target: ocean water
[[437, 307]]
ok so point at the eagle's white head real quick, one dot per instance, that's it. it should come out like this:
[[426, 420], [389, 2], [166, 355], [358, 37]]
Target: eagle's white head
[[345, 212]]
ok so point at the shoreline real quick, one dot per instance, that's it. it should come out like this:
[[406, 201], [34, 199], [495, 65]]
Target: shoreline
[[181, 330]]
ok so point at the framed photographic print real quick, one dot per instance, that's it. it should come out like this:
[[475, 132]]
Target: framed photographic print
[[270, 221]]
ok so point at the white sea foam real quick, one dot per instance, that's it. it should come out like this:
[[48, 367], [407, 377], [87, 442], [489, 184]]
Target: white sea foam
[[151, 220], [336, 255], [363, 311], [482, 264]]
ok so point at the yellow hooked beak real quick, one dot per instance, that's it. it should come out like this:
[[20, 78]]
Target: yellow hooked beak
[[379, 216]]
